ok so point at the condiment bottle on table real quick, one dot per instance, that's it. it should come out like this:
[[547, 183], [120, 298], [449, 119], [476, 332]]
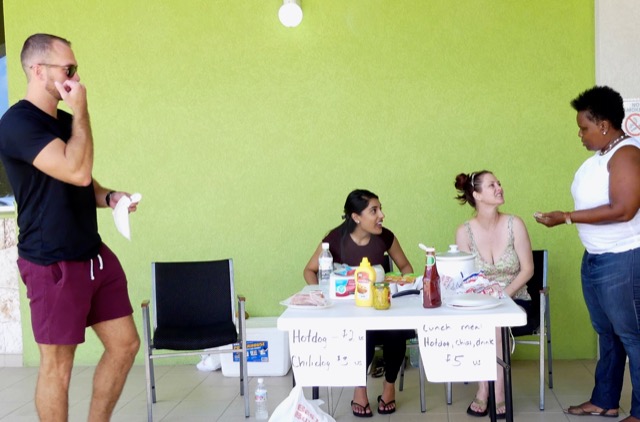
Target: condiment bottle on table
[[431, 297], [364, 276]]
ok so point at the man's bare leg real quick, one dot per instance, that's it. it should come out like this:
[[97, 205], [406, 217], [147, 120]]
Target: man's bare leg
[[52, 388], [121, 343]]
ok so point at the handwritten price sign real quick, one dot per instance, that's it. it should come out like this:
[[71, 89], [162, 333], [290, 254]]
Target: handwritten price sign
[[458, 351], [328, 357]]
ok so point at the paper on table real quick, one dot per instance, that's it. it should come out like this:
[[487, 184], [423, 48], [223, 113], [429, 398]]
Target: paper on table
[[121, 214]]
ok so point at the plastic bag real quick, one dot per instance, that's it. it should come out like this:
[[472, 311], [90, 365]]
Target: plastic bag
[[477, 283], [296, 408]]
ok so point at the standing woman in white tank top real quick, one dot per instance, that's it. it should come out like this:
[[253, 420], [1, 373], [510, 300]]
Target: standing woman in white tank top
[[606, 193]]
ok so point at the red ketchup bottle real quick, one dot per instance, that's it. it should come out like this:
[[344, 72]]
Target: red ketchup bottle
[[431, 282]]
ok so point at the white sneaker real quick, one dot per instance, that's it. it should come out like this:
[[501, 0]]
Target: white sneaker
[[209, 363]]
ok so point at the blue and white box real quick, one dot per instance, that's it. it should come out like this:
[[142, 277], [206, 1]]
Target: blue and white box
[[268, 350]]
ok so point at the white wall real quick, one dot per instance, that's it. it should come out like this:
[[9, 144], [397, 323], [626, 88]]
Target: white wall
[[617, 46], [10, 327]]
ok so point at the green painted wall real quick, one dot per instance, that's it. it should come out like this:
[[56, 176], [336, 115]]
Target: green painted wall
[[245, 137]]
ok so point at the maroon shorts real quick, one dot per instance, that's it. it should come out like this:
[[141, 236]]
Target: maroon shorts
[[68, 296]]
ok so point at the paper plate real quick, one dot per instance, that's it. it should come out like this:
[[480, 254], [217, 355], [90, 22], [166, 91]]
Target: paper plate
[[472, 300], [287, 303], [474, 308]]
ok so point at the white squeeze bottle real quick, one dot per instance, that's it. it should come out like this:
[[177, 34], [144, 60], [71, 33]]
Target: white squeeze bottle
[[325, 268], [262, 411]]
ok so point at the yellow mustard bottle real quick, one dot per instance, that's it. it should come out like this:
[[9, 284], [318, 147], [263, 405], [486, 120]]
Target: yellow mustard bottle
[[364, 276]]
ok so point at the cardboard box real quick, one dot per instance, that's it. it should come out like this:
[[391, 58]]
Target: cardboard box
[[268, 350], [342, 284]]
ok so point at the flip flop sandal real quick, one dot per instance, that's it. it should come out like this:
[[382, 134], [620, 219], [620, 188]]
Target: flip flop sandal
[[365, 411], [479, 403], [501, 415], [579, 411], [378, 372], [385, 406]]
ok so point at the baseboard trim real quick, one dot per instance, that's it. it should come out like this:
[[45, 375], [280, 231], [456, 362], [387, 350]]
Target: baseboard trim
[[10, 360]]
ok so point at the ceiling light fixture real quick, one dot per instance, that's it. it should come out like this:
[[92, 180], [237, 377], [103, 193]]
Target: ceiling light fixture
[[290, 13]]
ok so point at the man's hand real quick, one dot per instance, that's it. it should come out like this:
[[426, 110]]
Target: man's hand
[[116, 196], [74, 94]]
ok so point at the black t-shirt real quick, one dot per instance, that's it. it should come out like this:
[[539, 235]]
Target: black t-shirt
[[346, 251], [57, 220]]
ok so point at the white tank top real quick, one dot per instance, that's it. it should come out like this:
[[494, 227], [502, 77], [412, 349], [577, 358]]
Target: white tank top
[[590, 189]]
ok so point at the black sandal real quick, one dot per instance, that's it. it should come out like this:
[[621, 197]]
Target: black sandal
[[386, 410], [378, 372], [365, 410], [480, 403]]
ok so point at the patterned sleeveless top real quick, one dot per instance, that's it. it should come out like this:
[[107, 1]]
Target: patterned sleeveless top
[[505, 269]]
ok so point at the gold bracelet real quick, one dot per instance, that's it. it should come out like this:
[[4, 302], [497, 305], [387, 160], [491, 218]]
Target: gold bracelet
[[567, 218]]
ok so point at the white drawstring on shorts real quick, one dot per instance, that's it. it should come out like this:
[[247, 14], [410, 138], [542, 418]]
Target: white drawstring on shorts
[[101, 266], [512, 340]]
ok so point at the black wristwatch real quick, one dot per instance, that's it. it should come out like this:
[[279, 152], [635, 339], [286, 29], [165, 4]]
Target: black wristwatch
[[108, 198]]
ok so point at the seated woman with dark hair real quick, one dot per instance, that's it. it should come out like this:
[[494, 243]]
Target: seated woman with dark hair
[[362, 235]]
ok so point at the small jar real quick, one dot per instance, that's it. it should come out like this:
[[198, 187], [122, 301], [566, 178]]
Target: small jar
[[381, 295]]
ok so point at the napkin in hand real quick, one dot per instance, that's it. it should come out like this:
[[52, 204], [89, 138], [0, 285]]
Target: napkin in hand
[[121, 214]]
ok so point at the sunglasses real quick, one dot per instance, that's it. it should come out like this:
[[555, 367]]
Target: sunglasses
[[69, 69]]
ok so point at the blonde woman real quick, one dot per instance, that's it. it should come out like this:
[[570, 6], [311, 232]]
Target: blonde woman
[[502, 248]]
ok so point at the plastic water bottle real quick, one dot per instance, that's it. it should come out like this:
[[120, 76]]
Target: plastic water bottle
[[262, 411], [325, 264]]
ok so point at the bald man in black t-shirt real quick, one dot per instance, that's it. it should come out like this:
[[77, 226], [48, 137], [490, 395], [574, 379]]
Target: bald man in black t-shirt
[[73, 280]]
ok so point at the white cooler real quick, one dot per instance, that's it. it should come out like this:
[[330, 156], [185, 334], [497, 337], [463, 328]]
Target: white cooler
[[268, 350]]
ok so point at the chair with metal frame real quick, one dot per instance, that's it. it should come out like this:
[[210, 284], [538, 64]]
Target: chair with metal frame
[[539, 292], [539, 324], [193, 309], [421, 374]]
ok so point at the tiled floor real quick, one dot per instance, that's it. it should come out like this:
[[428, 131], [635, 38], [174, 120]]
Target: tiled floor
[[186, 394]]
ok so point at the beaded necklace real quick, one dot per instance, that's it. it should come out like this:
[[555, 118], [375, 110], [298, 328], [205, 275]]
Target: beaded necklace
[[613, 143]]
